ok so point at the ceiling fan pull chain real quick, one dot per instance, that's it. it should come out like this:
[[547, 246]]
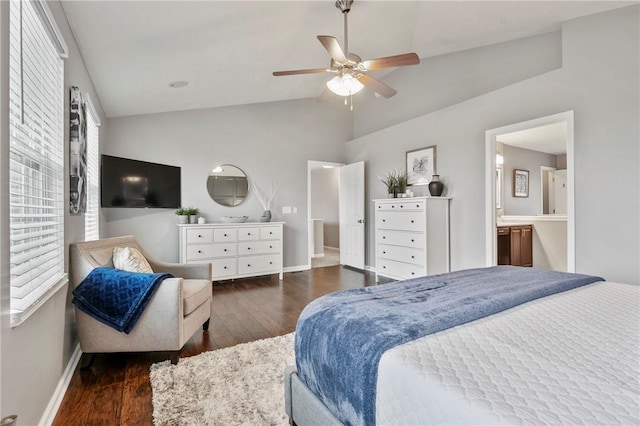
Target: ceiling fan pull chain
[[350, 101]]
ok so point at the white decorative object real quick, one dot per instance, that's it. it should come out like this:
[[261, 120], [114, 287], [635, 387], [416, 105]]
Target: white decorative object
[[265, 200], [412, 237], [235, 250], [202, 220], [233, 219]]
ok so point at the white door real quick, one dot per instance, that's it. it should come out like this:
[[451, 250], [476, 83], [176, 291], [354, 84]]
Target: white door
[[352, 215], [560, 188]]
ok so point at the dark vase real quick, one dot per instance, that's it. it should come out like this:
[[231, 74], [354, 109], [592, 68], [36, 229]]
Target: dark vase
[[436, 186]]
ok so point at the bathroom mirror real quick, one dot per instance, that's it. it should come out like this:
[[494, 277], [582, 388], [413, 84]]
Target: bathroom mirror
[[227, 185]]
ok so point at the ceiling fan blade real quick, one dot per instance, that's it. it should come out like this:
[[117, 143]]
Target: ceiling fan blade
[[333, 47], [391, 61], [376, 85], [295, 72]]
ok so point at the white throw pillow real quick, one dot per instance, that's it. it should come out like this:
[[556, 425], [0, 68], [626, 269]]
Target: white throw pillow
[[131, 260]]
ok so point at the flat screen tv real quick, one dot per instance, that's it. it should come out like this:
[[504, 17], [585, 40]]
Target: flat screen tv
[[133, 183]]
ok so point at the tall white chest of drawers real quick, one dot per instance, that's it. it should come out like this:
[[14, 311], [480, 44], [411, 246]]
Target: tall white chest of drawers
[[235, 250], [412, 237]]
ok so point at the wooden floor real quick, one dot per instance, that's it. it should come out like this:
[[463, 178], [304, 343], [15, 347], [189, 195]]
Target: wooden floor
[[116, 390]]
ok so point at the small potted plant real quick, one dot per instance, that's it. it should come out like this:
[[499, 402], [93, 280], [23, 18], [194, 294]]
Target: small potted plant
[[391, 182], [193, 214], [401, 182], [183, 215]]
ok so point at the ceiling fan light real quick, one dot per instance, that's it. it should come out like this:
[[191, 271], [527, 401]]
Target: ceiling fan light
[[344, 85]]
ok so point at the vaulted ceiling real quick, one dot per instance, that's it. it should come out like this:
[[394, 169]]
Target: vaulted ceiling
[[227, 50]]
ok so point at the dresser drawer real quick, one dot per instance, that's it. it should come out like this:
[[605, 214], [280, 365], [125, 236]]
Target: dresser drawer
[[246, 234], [223, 267], [258, 247], [200, 251], [225, 235], [256, 265], [270, 233], [399, 270], [401, 238], [401, 205], [402, 221], [195, 236], [402, 254]]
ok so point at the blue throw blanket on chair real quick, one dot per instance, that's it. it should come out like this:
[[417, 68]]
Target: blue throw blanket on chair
[[341, 337], [116, 298]]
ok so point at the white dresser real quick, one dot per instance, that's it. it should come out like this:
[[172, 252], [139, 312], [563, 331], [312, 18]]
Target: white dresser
[[412, 237], [235, 250]]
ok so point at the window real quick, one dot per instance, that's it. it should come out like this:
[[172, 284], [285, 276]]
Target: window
[[36, 158], [92, 216]]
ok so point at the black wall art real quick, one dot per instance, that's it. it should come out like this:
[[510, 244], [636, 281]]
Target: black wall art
[[77, 153]]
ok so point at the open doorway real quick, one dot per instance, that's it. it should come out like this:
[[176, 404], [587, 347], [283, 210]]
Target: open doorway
[[541, 150], [323, 180]]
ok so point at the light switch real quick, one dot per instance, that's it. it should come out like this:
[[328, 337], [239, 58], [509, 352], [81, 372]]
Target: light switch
[[286, 209], [295, 210]]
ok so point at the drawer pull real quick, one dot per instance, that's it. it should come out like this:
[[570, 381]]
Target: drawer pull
[[199, 251], [270, 246], [393, 206], [270, 263], [384, 267], [225, 235], [225, 267], [384, 252], [413, 257], [225, 250], [418, 206], [413, 241], [413, 273], [402, 206], [384, 238], [248, 233], [248, 248], [384, 220], [270, 233], [412, 221], [199, 236], [249, 265]]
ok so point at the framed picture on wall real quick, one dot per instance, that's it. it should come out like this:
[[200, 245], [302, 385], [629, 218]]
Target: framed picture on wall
[[421, 165], [520, 183]]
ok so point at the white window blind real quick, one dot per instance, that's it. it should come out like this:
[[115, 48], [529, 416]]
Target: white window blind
[[36, 159], [92, 216]]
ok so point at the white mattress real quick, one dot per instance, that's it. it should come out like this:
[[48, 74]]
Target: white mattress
[[572, 358]]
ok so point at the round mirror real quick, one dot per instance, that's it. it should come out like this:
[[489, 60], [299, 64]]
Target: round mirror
[[227, 185]]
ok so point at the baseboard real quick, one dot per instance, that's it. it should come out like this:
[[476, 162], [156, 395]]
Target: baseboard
[[370, 268], [332, 248], [56, 399], [296, 268], [317, 255]]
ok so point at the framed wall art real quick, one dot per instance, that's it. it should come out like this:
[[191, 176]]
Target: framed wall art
[[421, 165], [77, 153], [520, 183]]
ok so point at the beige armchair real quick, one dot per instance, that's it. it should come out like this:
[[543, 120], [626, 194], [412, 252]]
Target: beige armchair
[[177, 309]]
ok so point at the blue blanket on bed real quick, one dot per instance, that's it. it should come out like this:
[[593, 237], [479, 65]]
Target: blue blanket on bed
[[116, 298], [341, 337]]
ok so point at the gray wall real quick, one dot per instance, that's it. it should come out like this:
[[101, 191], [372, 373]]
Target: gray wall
[[35, 354], [324, 203], [270, 142], [598, 80], [523, 159]]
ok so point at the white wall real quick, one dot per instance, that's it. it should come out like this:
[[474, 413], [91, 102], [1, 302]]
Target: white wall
[[270, 141], [599, 81], [35, 354], [324, 203]]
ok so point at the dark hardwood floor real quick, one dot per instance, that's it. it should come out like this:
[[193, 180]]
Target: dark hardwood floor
[[116, 389]]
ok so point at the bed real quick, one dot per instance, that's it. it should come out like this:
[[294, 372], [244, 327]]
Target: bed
[[572, 357]]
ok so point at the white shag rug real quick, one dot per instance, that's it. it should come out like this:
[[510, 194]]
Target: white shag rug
[[240, 385]]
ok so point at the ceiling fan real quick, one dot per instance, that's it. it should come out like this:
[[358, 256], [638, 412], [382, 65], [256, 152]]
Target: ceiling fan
[[350, 68]]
